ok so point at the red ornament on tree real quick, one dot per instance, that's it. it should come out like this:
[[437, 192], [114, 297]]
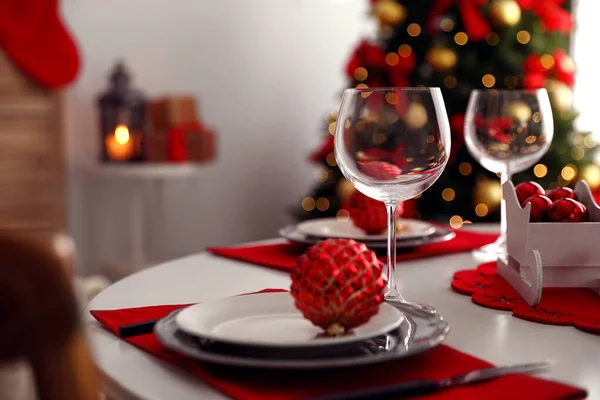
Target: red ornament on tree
[[369, 214], [527, 189], [568, 210], [338, 285], [540, 205], [380, 170], [561, 193]]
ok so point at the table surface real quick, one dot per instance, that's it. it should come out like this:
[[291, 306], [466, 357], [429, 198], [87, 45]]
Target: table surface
[[495, 336]]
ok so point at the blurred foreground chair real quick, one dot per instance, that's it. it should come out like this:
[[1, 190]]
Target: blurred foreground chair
[[40, 325]]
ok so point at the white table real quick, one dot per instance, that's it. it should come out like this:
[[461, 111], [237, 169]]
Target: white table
[[493, 335]]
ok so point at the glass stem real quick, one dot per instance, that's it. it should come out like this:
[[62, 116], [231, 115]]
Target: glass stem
[[391, 292], [504, 177]]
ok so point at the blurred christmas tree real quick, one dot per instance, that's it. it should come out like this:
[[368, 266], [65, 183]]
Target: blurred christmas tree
[[460, 46]]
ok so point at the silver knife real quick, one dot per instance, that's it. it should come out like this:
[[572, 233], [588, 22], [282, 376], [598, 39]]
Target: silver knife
[[425, 386]]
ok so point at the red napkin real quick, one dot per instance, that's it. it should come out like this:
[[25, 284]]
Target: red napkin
[[253, 384], [283, 255]]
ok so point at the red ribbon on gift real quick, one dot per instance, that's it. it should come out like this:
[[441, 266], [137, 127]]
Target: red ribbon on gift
[[473, 19], [176, 145], [554, 18]]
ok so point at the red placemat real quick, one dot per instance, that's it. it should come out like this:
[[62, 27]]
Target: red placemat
[[283, 255], [579, 307], [253, 384]]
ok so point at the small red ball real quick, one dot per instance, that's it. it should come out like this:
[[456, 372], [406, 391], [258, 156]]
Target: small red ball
[[338, 284], [380, 170], [540, 205], [527, 189], [568, 210], [561, 193], [369, 214]]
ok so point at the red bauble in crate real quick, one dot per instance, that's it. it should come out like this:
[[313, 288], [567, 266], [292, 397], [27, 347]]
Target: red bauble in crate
[[338, 285], [369, 214], [568, 210], [527, 189], [561, 193], [380, 170], [540, 205]]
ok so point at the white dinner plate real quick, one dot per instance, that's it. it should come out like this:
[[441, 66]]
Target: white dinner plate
[[440, 235], [334, 228], [414, 335], [272, 319]]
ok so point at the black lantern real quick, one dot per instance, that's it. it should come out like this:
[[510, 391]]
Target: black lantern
[[122, 120]]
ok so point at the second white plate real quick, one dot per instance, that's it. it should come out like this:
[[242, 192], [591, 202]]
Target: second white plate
[[272, 319], [333, 228]]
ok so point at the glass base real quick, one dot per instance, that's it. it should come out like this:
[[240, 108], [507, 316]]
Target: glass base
[[491, 252]]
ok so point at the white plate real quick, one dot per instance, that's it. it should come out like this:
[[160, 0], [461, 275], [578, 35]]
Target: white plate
[[272, 319], [440, 235], [414, 335], [333, 228]]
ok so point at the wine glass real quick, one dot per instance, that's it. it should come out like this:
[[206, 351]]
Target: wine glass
[[507, 131], [392, 144]]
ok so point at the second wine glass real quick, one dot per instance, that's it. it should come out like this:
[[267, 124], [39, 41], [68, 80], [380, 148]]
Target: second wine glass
[[392, 144], [507, 131]]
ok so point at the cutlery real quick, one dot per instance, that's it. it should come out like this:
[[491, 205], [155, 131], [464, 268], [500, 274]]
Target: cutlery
[[140, 328], [426, 386]]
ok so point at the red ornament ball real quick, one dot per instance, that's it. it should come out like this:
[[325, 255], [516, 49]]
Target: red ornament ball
[[369, 214], [338, 285], [561, 193], [527, 189], [540, 205], [380, 170], [568, 210]]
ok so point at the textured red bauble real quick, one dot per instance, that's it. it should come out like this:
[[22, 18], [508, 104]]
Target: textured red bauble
[[568, 210], [380, 170], [369, 214], [561, 193], [338, 285], [527, 189], [540, 205]]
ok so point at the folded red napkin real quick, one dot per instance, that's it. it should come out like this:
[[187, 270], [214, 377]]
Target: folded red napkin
[[253, 384], [283, 255]]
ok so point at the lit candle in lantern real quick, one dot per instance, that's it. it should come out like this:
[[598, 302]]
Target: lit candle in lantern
[[119, 146]]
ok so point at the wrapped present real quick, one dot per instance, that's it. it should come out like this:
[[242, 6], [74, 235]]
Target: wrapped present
[[182, 143], [171, 111]]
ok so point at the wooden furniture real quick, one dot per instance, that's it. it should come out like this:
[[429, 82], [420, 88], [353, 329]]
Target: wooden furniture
[[40, 321], [129, 373], [31, 154]]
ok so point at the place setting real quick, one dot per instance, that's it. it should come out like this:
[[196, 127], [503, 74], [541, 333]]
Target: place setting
[[342, 329]]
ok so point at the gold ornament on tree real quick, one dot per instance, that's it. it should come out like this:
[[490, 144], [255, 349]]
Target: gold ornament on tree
[[561, 95], [591, 174], [519, 111], [389, 12], [488, 192], [344, 190], [416, 116], [441, 58], [505, 13]]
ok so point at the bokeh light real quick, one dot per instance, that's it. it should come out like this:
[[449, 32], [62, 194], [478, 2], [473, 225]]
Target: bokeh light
[[540, 170]]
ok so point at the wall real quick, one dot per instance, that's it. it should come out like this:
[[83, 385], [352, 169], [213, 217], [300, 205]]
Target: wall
[[585, 42], [265, 72]]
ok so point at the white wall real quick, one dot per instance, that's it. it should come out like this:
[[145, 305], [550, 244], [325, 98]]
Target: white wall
[[264, 71], [585, 54]]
